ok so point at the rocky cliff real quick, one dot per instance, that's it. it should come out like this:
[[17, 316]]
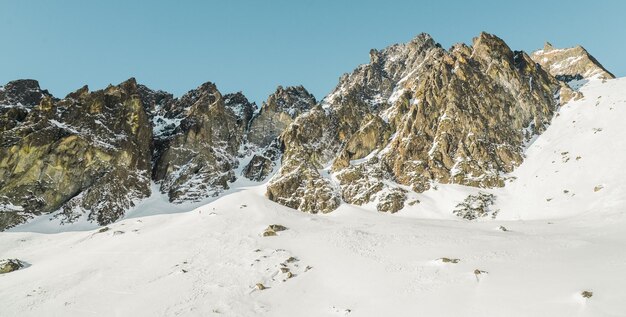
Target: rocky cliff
[[414, 116], [417, 114], [88, 153], [197, 160]]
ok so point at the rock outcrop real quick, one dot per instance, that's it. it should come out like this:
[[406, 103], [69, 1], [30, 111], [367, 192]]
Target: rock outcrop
[[10, 265], [280, 110], [569, 64], [263, 163], [88, 153], [414, 115], [309, 143], [198, 159], [17, 99], [95, 153]]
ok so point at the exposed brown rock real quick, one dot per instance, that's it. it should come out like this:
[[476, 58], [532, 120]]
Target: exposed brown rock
[[427, 115], [198, 160], [281, 108], [87, 153]]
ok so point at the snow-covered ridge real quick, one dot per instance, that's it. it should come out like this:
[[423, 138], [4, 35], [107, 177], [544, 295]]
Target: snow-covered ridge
[[573, 63]]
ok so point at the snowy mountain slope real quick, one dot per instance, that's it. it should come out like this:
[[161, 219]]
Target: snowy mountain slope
[[577, 165], [356, 261]]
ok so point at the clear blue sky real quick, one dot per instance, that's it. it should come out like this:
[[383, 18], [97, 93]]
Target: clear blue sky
[[253, 46]]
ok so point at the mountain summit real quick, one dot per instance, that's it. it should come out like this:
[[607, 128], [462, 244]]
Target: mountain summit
[[416, 115]]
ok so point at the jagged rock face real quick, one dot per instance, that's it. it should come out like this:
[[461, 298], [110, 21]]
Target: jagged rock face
[[155, 104], [243, 109], [87, 153], [373, 133], [198, 159], [308, 143], [17, 98], [258, 168], [281, 108], [96, 153], [263, 163], [457, 116], [569, 64], [374, 83], [24, 92], [464, 114]]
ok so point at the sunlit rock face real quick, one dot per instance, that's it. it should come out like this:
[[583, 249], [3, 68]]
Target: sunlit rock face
[[416, 114], [198, 160], [94, 154], [280, 109], [87, 154]]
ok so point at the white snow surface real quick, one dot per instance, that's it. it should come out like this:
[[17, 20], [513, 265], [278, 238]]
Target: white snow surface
[[164, 261]]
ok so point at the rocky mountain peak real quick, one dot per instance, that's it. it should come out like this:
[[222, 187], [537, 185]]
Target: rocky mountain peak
[[198, 100], [85, 155], [129, 84], [78, 92], [243, 109], [238, 99], [196, 159], [280, 109], [292, 100], [105, 147], [569, 64], [206, 94], [17, 99], [491, 47], [24, 92], [373, 83], [154, 101], [416, 115], [421, 39]]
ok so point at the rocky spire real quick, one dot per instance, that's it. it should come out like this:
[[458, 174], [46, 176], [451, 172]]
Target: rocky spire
[[280, 109]]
